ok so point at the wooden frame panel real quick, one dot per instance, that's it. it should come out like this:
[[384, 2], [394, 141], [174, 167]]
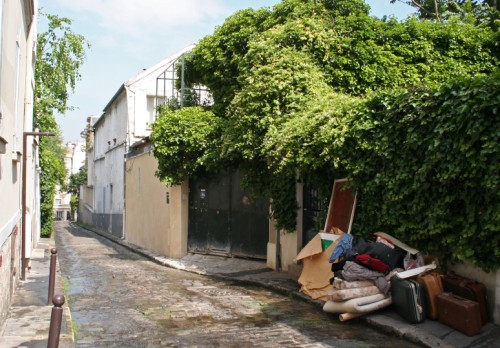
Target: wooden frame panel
[[341, 208]]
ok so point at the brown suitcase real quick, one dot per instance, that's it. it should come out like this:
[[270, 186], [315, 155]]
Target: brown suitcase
[[433, 286], [459, 313], [469, 289]]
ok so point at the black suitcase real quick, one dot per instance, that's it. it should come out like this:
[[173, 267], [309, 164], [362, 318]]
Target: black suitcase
[[408, 299]]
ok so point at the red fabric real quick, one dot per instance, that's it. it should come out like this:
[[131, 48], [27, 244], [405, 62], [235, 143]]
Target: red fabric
[[372, 263]]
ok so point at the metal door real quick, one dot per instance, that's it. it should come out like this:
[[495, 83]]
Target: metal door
[[223, 220], [209, 205], [249, 222]]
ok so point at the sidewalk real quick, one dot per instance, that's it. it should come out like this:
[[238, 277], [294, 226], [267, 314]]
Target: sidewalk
[[28, 322]]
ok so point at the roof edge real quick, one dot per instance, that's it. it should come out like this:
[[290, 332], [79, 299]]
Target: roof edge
[[157, 66]]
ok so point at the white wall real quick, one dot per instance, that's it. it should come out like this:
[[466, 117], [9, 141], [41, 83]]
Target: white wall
[[15, 69], [17, 33], [138, 94], [75, 157], [109, 149]]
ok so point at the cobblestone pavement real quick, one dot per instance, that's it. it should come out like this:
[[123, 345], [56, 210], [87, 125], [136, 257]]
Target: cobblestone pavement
[[120, 299]]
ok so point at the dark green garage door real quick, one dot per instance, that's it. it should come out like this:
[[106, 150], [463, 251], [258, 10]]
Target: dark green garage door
[[223, 220]]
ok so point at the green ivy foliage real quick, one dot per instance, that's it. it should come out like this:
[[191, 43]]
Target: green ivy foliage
[[277, 84], [53, 173], [426, 163], [60, 55], [359, 54], [356, 52], [185, 142], [216, 60], [313, 139], [312, 90]]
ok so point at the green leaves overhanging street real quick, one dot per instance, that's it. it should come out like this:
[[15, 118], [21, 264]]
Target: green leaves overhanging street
[[60, 55], [317, 90]]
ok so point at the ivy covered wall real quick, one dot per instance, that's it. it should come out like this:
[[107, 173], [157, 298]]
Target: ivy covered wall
[[407, 109]]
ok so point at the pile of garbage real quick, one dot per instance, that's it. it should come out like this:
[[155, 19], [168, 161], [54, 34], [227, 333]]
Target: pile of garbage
[[354, 278], [358, 277]]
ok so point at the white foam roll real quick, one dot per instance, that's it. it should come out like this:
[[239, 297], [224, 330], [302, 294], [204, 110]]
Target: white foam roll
[[358, 305]]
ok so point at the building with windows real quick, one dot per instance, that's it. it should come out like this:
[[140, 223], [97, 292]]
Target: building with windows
[[125, 121]]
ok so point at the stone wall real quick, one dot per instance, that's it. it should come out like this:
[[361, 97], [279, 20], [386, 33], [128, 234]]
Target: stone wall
[[492, 282], [9, 271]]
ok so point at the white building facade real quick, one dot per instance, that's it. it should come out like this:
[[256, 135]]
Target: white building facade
[[17, 40], [126, 120], [74, 159]]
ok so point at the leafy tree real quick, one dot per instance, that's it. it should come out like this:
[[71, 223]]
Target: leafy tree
[[440, 10], [73, 186], [75, 180], [216, 60], [60, 54], [73, 204]]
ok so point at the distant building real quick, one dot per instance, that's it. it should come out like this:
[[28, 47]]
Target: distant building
[[74, 159]]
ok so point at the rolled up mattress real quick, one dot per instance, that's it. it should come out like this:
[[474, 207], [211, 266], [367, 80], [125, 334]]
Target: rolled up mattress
[[339, 295], [358, 305]]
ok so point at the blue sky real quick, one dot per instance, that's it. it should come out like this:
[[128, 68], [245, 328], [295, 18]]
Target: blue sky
[[128, 36]]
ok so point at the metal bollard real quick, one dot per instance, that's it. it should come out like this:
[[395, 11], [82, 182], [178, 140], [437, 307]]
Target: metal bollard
[[55, 321], [52, 274]]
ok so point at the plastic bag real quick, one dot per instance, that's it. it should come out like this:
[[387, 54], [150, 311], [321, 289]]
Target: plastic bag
[[413, 261]]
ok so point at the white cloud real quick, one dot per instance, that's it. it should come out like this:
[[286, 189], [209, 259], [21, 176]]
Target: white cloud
[[137, 17]]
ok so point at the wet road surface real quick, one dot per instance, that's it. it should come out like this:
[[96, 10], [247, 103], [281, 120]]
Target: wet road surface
[[121, 299]]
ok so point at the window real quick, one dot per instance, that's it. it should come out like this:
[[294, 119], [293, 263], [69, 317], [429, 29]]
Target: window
[[151, 110]]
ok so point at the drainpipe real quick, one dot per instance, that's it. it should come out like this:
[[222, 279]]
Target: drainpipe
[[278, 250], [23, 212]]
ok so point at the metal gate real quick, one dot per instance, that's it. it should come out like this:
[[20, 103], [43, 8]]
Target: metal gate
[[223, 220], [312, 208]]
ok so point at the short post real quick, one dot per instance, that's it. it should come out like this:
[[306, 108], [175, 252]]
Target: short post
[[55, 321], [52, 274]]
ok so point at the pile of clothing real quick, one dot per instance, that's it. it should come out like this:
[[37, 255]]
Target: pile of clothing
[[373, 261]]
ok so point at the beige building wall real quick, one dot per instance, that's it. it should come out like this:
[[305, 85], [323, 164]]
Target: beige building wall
[[289, 243], [155, 215], [490, 280]]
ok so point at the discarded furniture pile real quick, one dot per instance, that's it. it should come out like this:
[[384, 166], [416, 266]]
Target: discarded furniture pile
[[358, 277]]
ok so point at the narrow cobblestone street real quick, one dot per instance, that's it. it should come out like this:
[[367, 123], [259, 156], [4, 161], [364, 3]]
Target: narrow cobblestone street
[[121, 299]]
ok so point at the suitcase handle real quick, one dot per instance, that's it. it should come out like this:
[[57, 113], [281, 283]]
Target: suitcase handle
[[462, 282], [459, 297]]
